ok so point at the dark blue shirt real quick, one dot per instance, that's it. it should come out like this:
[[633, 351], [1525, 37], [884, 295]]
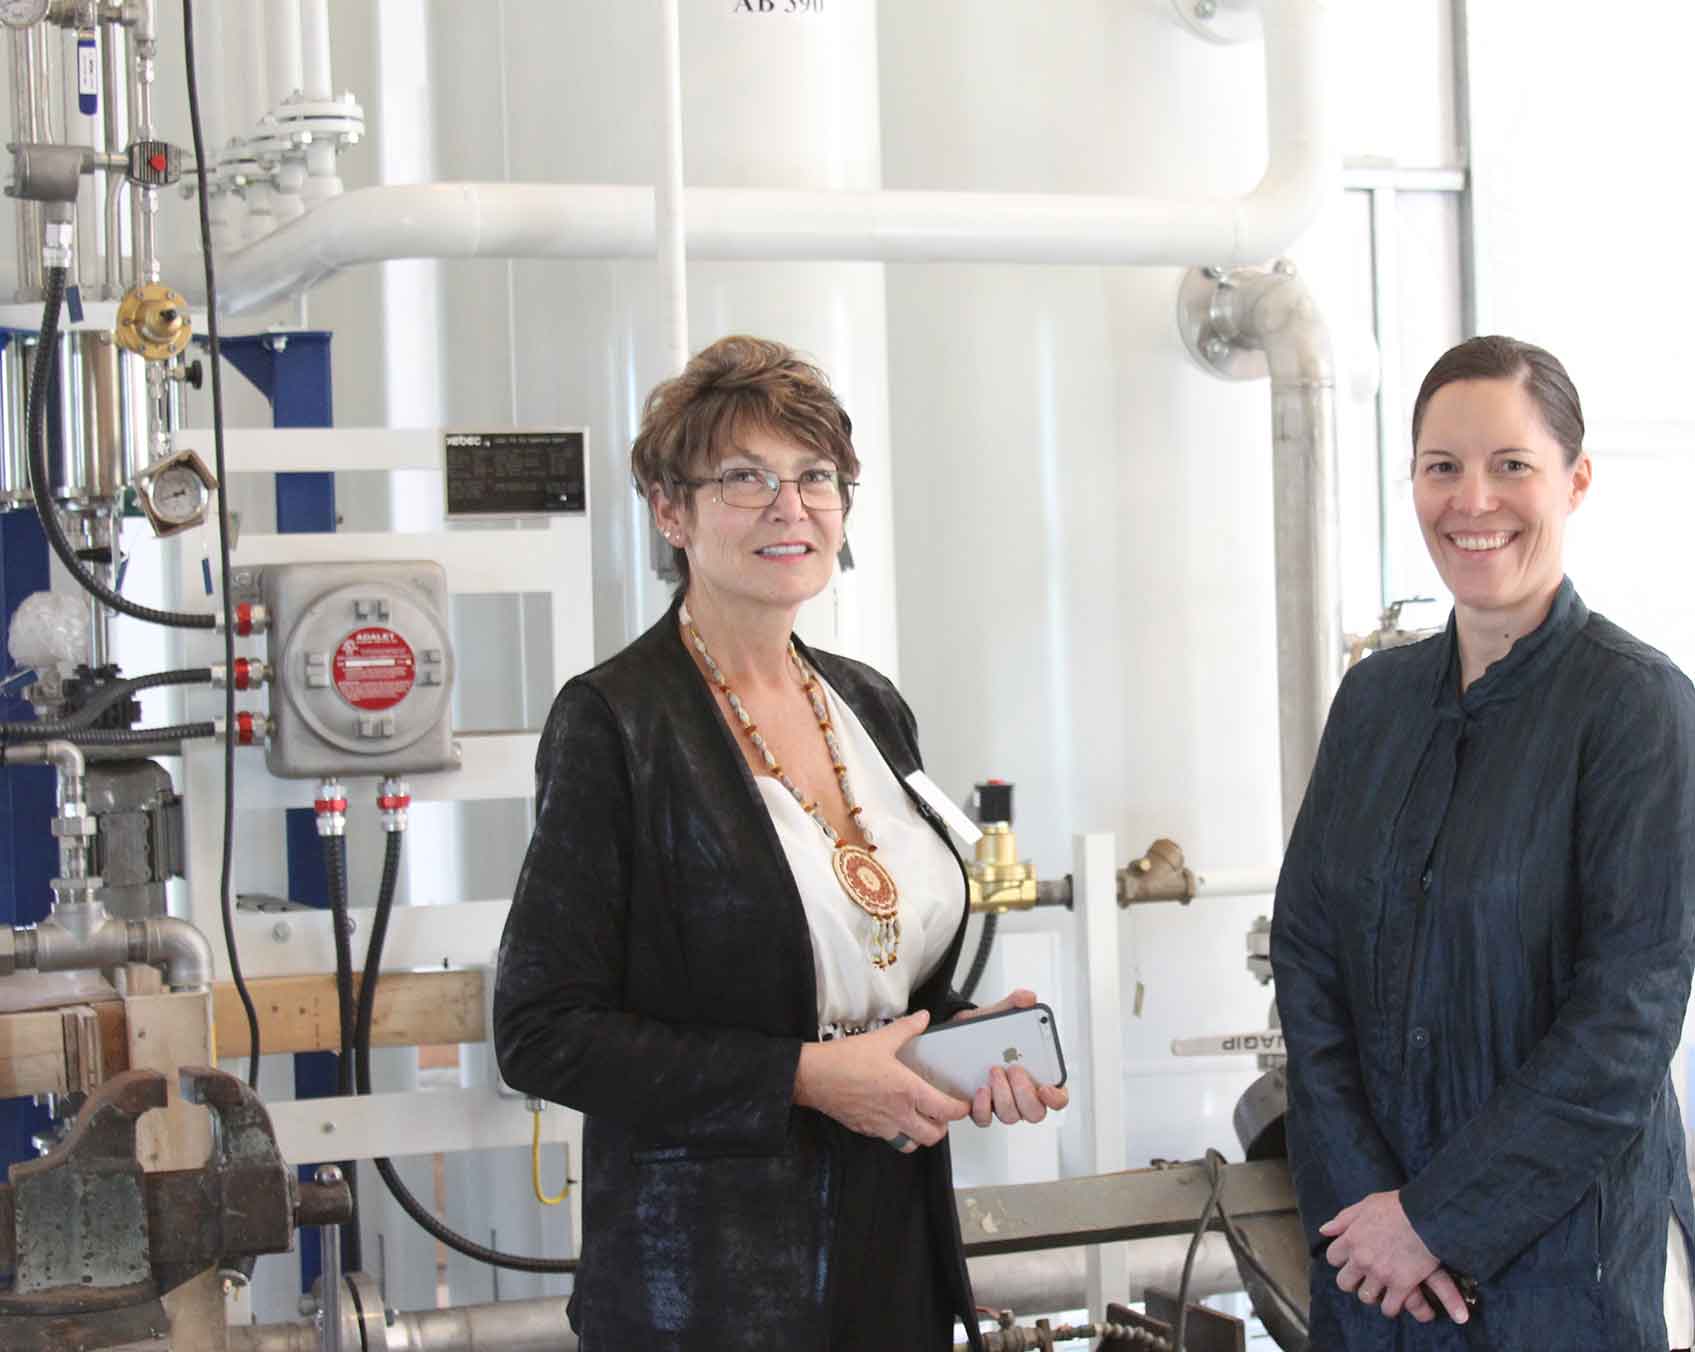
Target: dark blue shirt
[[1483, 940]]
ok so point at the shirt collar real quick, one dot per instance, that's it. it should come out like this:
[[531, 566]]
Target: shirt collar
[[1524, 663]]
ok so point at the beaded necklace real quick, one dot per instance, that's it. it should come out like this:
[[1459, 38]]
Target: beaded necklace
[[867, 883]]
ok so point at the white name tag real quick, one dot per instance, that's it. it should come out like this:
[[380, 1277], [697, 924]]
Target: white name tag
[[948, 810]]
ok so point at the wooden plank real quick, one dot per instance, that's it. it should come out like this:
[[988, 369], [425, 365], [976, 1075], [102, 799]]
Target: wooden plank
[[32, 1053], [301, 1013], [165, 1032], [56, 1051]]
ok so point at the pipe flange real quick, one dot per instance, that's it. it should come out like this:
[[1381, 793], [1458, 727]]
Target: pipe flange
[[1225, 22], [1215, 351]]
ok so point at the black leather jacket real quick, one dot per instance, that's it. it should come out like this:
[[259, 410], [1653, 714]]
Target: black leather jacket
[[656, 973]]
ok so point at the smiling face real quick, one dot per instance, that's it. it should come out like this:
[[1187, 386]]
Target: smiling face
[[759, 559], [1492, 490]]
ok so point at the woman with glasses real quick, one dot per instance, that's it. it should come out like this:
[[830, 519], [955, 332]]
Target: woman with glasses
[[733, 914]]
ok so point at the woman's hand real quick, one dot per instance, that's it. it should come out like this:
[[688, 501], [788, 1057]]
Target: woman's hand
[[857, 1081], [1011, 1095], [1381, 1258]]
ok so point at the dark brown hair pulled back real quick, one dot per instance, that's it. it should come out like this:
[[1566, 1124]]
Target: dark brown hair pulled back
[[1496, 357]]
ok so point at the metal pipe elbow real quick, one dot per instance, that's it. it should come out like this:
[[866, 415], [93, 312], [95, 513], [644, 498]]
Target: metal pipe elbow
[[183, 951]]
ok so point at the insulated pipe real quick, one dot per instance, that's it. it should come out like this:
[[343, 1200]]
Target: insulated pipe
[[1272, 311], [316, 81], [81, 937], [511, 220], [668, 202], [284, 75]]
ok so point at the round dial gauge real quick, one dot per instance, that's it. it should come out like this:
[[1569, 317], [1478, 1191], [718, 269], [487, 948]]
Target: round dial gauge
[[178, 495], [22, 13]]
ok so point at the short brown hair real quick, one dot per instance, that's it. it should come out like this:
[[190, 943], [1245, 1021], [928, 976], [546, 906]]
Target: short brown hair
[[1496, 357], [737, 383]]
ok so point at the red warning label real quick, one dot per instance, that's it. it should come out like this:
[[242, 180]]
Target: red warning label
[[374, 668]]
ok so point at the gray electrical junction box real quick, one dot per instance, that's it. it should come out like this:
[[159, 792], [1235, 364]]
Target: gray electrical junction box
[[363, 669]]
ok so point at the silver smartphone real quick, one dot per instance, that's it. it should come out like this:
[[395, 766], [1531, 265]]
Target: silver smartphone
[[957, 1057]]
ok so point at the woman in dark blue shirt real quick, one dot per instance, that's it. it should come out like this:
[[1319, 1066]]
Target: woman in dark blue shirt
[[1484, 925]]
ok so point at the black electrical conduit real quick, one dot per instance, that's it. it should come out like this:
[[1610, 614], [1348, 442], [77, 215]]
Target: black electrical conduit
[[362, 1048], [221, 469], [1240, 1249], [335, 869], [104, 698], [980, 961], [176, 732]]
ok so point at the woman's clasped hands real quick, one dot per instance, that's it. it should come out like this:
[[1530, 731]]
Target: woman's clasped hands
[[1380, 1258]]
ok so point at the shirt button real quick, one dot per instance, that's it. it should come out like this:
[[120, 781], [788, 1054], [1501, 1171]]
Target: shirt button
[[1420, 1037], [1424, 881]]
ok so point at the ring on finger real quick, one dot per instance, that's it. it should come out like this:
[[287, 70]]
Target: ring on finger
[[1370, 1295], [900, 1140]]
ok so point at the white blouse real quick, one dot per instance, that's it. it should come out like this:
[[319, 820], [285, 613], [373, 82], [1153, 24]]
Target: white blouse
[[852, 994]]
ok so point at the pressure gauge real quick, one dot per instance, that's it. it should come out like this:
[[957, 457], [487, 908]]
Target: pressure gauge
[[174, 492], [23, 13]]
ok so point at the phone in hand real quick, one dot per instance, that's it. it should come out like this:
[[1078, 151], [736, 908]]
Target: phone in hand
[[957, 1057]]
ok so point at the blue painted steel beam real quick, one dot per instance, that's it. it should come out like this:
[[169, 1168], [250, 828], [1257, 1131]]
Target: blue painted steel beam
[[29, 855]]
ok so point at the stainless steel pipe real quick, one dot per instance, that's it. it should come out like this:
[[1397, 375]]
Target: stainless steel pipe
[[1247, 322], [509, 1325], [82, 936]]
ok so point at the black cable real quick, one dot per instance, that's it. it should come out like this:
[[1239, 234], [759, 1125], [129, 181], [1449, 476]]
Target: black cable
[[1242, 1250], [46, 353], [104, 698], [221, 469], [980, 963], [1178, 1333], [180, 732], [335, 870], [402, 1194]]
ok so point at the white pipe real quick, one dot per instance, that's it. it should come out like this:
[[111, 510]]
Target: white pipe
[[1237, 882], [282, 50], [254, 102], [316, 81], [669, 198], [209, 46], [514, 220]]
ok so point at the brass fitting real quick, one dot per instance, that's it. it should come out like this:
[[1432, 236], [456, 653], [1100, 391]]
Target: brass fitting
[[997, 880], [1159, 875], [153, 321]]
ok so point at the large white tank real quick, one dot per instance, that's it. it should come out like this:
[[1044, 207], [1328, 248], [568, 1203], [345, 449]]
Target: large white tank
[[572, 93], [1084, 518]]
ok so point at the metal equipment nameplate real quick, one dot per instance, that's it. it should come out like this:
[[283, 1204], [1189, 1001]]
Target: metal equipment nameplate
[[515, 473]]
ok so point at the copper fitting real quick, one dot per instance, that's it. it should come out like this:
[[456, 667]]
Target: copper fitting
[[1159, 875]]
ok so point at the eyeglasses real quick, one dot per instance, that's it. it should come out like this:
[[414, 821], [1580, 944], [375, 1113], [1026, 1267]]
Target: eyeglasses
[[821, 490]]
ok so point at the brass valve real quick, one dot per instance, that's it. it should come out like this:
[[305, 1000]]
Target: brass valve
[[1159, 875], [998, 881], [153, 321]]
